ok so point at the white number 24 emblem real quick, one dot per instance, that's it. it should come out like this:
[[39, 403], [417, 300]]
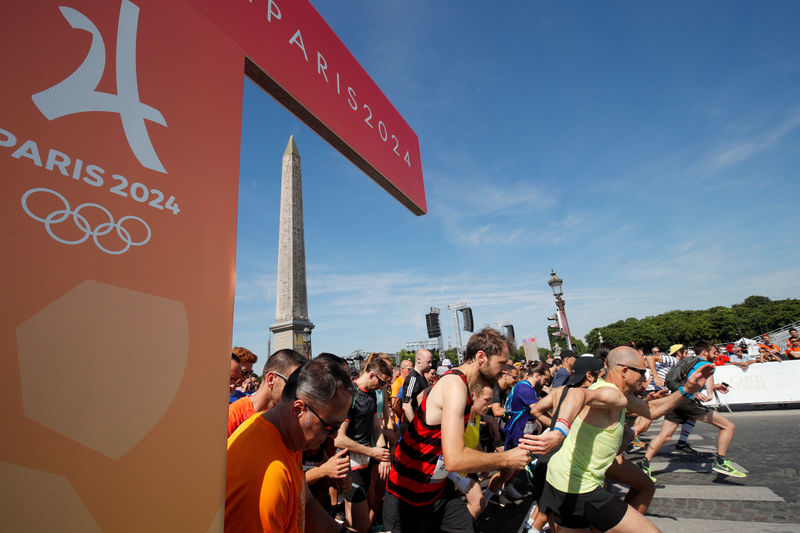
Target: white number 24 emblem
[[78, 92]]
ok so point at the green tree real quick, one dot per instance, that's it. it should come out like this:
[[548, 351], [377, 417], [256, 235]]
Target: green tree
[[452, 354], [405, 354], [579, 347], [517, 355], [754, 316]]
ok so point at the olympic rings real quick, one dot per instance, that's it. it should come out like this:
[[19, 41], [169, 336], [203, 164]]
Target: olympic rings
[[104, 228]]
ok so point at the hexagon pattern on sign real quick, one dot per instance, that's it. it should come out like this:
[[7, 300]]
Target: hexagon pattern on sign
[[41, 501], [132, 348]]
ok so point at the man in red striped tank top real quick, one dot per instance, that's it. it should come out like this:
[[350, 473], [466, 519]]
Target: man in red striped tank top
[[419, 496]]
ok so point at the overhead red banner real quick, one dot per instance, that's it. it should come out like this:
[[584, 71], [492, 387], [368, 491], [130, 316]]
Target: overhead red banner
[[295, 56]]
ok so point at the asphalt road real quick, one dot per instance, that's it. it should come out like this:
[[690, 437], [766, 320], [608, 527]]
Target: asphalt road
[[690, 497]]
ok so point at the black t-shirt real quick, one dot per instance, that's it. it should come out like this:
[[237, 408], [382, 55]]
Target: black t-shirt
[[362, 416], [499, 395], [413, 385]]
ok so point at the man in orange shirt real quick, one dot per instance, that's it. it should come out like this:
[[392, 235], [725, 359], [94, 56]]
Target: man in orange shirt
[[279, 367], [265, 489], [397, 386], [793, 345], [769, 351]]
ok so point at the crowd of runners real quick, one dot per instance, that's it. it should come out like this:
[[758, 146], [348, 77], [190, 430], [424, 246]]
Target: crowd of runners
[[416, 448]]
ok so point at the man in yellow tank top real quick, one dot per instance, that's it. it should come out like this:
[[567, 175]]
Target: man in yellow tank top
[[574, 491]]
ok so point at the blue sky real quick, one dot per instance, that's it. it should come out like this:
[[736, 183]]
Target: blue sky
[[646, 151]]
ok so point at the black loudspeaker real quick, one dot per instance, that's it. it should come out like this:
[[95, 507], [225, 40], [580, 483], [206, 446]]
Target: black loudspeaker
[[432, 321], [510, 333], [468, 324]]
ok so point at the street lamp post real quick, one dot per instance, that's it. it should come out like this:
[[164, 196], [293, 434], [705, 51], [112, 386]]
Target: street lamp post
[[555, 284]]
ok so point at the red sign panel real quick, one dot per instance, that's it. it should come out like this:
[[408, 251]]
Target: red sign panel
[[294, 55]]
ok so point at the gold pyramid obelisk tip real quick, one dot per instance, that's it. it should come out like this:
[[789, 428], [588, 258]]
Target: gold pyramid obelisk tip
[[291, 147]]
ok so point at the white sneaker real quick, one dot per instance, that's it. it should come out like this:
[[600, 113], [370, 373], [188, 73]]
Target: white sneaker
[[511, 492]]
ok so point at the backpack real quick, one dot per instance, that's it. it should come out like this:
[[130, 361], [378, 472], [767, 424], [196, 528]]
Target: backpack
[[511, 415], [510, 398], [679, 373]]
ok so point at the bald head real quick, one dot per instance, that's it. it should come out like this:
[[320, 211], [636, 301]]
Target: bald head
[[623, 355], [423, 360]]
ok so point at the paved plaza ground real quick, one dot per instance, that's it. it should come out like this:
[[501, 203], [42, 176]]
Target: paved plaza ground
[[690, 497]]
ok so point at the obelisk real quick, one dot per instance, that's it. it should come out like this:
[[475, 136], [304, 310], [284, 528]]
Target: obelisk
[[291, 306]]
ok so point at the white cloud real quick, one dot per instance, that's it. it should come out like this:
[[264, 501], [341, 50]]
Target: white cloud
[[743, 149]]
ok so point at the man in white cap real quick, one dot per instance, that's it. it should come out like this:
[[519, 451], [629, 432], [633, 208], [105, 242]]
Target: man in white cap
[[444, 367]]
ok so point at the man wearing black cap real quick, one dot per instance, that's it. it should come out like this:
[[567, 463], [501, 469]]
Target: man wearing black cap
[[568, 358]]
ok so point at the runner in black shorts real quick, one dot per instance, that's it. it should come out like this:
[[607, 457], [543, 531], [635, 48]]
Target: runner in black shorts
[[358, 431], [598, 508], [575, 492]]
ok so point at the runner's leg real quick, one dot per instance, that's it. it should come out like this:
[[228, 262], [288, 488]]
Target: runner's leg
[[686, 430], [667, 429], [726, 430], [641, 488], [634, 522], [641, 425]]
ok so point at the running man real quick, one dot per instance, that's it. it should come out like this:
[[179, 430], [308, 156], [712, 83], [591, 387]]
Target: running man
[[690, 409], [419, 496], [574, 490]]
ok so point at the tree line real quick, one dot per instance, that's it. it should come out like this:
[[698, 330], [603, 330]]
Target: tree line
[[754, 316]]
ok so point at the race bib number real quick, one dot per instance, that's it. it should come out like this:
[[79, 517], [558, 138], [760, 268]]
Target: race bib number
[[358, 461], [440, 472]]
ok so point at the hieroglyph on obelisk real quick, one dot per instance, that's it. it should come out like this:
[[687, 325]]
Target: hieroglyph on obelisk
[[291, 308]]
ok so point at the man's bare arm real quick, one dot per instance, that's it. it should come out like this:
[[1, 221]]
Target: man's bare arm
[[497, 410], [651, 362], [661, 406], [605, 397], [457, 457], [343, 441], [408, 410], [572, 405], [542, 408]]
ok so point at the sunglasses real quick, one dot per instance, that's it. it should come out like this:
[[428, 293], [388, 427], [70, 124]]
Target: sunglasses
[[641, 371], [381, 382], [331, 428]]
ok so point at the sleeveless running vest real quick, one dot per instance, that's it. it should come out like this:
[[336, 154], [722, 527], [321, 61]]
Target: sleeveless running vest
[[580, 465], [418, 476]]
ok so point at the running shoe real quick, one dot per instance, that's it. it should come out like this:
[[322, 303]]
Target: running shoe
[[726, 468], [687, 450], [637, 442], [646, 469]]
